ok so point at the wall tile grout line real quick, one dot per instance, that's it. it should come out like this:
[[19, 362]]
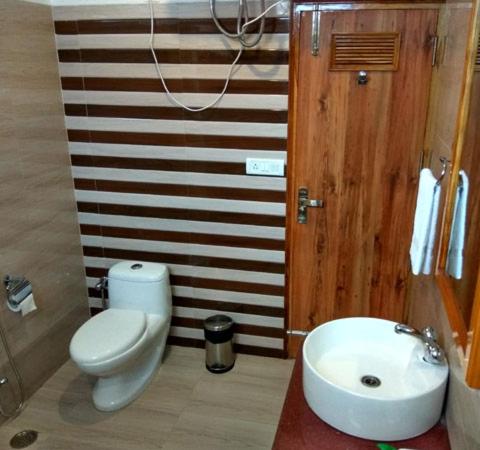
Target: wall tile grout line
[[156, 183]]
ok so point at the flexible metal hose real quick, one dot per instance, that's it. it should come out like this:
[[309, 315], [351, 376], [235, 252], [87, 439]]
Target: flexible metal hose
[[18, 377], [243, 23], [240, 35]]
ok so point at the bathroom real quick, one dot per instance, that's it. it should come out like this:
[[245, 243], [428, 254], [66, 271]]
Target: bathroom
[[100, 166]]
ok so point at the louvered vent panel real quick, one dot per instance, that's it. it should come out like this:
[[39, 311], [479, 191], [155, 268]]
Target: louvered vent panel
[[365, 51], [477, 60]]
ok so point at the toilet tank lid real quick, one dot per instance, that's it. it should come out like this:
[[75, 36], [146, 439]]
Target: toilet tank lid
[[138, 271]]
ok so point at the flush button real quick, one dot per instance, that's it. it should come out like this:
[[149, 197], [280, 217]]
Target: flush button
[[136, 266]]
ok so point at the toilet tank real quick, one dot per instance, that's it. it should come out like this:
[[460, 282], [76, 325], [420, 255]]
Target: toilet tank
[[142, 286]]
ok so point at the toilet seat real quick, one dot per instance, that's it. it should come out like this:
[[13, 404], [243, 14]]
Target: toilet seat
[[107, 335]]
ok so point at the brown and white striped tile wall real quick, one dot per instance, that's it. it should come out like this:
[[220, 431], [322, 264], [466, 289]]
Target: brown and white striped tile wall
[[156, 183]]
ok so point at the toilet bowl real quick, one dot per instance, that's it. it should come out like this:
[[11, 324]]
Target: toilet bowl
[[124, 344]]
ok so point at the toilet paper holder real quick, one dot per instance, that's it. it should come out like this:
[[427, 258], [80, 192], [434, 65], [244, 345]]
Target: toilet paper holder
[[17, 289]]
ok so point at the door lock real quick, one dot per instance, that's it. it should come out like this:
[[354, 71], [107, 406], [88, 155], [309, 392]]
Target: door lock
[[303, 203]]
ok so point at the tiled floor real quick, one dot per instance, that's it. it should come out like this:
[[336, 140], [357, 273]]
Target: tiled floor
[[185, 407]]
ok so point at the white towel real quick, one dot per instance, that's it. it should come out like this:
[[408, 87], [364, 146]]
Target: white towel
[[432, 232], [457, 233], [424, 227]]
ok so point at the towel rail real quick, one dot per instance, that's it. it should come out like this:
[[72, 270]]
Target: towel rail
[[445, 163], [460, 181]]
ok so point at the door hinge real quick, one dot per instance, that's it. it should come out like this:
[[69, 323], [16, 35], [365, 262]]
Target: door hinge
[[301, 333], [315, 30]]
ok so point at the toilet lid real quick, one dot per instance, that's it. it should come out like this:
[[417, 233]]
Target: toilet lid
[[107, 334]]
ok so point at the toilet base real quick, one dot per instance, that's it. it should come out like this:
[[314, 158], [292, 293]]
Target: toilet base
[[118, 390]]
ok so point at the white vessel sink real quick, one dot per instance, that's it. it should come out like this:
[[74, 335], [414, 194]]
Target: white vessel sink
[[338, 354]]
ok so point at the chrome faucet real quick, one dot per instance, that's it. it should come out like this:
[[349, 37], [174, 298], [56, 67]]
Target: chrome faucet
[[434, 354]]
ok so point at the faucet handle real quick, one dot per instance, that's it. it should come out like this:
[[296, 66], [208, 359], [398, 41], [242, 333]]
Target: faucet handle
[[434, 353], [102, 284], [430, 333]]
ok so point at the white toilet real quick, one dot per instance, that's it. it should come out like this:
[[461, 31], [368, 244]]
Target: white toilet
[[124, 344]]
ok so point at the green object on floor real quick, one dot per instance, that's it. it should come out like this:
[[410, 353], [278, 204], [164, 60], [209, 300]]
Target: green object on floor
[[385, 447]]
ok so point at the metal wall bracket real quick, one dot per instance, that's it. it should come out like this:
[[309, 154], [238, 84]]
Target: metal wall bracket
[[316, 30]]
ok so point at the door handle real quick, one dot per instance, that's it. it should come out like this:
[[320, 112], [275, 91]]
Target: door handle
[[304, 202]]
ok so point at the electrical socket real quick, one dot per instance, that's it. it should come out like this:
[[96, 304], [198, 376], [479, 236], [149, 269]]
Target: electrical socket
[[265, 167]]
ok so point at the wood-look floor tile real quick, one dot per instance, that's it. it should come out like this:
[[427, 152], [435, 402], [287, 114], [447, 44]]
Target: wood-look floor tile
[[184, 407], [219, 432], [241, 395]]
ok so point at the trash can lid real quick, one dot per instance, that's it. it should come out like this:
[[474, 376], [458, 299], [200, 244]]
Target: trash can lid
[[218, 322]]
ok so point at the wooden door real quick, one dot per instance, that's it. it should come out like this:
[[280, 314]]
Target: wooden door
[[357, 147]]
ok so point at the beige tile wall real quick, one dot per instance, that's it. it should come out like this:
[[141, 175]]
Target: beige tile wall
[[463, 403], [39, 234]]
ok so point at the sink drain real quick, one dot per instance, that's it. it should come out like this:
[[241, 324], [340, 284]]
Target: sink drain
[[23, 439], [370, 381]]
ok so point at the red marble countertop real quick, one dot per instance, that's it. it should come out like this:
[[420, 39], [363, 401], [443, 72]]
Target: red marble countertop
[[300, 429], [356, 2]]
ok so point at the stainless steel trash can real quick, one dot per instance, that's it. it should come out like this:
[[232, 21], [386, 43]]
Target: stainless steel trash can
[[219, 357]]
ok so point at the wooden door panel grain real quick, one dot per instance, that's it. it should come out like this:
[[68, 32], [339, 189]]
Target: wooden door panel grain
[[358, 148]]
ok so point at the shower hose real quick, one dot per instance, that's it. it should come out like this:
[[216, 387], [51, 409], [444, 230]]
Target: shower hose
[[240, 35], [3, 381]]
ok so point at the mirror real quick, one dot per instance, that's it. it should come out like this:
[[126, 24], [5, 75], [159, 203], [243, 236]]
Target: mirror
[[463, 254], [459, 256]]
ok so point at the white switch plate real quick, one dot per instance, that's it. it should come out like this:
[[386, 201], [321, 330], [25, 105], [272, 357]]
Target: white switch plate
[[265, 167]]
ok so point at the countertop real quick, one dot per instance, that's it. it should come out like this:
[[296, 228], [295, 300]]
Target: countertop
[[300, 429], [353, 2]]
